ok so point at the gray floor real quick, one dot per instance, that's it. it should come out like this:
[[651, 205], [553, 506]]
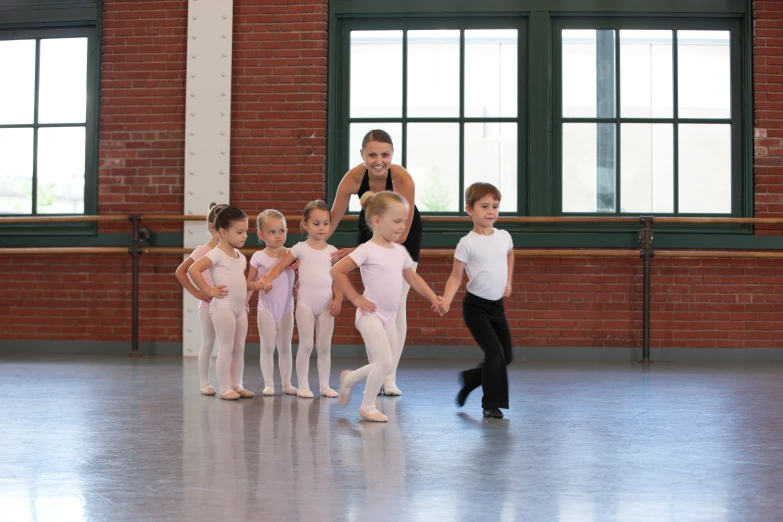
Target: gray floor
[[109, 438]]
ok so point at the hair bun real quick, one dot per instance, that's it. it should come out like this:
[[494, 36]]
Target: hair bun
[[365, 199], [212, 205]]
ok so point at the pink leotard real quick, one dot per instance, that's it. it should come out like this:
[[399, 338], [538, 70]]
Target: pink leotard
[[382, 277], [280, 299], [315, 281]]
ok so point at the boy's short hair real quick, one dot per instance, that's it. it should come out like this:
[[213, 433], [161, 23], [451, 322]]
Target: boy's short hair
[[478, 190]]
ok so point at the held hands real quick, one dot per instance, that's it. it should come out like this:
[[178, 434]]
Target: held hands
[[363, 304], [443, 305], [437, 305], [219, 291], [335, 307], [263, 284]]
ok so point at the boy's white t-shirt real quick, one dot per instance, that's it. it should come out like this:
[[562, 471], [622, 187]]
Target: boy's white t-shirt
[[486, 262]]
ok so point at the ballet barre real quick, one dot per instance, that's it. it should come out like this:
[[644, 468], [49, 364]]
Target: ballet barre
[[140, 235]]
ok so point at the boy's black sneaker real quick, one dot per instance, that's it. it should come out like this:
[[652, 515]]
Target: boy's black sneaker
[[493, 413]]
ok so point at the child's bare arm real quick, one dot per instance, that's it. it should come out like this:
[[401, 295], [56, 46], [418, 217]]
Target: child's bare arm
[[420, 286], [195, 271], [339, 274], [182, 276], [453, 283]]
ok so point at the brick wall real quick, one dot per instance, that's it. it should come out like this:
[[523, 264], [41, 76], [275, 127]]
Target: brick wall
[[278, 131]]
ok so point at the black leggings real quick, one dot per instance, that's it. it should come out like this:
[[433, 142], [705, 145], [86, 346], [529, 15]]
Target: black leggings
[[486, 321]]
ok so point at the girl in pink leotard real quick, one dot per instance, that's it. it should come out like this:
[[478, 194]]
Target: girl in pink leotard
[[385, 266], [275, 315], [317, 302], [207, 330]]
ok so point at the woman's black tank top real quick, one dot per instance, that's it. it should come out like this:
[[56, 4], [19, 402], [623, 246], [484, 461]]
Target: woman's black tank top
[[364, 234]]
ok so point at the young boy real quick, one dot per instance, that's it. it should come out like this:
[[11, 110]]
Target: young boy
[[487, 254]]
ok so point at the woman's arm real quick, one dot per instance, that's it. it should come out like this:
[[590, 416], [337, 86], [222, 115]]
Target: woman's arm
[[195, 271], [420, 286], [184, 280], [405, 187], [339, 274], [452, 284], [347, 187]]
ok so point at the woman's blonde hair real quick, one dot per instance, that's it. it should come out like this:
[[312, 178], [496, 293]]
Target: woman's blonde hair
[[378, 203], [309, 208], [269, 213], [214, 208]]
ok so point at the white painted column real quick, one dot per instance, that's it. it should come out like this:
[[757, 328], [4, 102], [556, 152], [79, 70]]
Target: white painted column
[[207, 132]]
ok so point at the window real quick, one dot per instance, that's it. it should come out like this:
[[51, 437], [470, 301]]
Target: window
[[44, 125], [648, 120], [449, 98]]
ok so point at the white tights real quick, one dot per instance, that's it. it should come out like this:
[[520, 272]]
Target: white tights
[[322, 326], [401, 327], [380, 342], [271, 334], [231, 331], [207, 345]]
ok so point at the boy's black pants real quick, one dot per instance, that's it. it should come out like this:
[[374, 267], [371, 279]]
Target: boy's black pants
[[486, 321]]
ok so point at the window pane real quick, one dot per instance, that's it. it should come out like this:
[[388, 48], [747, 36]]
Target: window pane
[[16, 171], [588, 74], [588, 167], [358, 130], [17, 91], [646, 85], [704, 69], [491, 156], [647, 167], [705, 169], [433, 73], [376, 94], [491, 73], [63, 85], [433, 161], [61, 170]]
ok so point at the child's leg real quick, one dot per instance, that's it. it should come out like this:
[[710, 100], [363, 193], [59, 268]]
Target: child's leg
[[478, 315], [324, 327], [401, 328], [205, 352], [266, 334], [238, 355], [305, 324], [225, 323], [379, 342], [285, 330]]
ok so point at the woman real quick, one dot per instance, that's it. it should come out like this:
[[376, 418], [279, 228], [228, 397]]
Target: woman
[[376, 174]]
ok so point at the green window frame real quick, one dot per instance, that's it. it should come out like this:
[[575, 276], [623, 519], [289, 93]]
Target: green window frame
[[346, 153], [56, 20], [741, 193], [540, 178]]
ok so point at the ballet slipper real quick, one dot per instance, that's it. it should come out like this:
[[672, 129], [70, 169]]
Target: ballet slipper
[[345, 390], [390, 389], [243, 393], [305, 394], [372, 414], [269, 390], [208, 390], [230, 395], [290, 390], [330, 393]]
